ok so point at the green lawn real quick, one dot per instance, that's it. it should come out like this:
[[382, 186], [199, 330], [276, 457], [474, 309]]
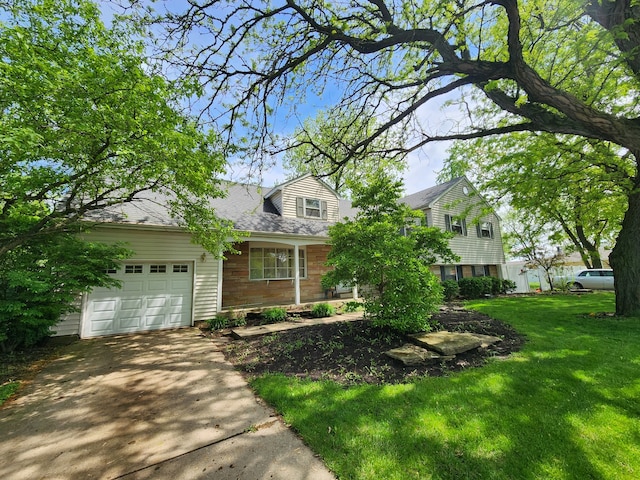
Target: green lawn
[[567, 406]]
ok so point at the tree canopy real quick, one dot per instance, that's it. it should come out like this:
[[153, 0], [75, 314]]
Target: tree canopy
[[565, 185], [567, 67], [321, 145], [86, 123]]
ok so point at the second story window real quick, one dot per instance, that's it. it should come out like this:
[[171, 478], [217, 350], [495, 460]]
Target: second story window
[[311, 208], [485, 230], [456, 225]]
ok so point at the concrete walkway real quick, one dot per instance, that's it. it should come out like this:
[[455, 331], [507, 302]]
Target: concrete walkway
[[161, 405]]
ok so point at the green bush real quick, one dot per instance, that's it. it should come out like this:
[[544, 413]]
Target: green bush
[[274, 315], [322, 310], [399, 290], [236, 319], [477, 287], [450, 289], [507, 286], [218, 322], [42, 280]]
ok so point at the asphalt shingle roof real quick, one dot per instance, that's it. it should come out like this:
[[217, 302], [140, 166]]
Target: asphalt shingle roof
[[246, 207]]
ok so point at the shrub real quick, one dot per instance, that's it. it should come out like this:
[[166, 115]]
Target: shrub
[[322, 310], [475, 287], [236, 319], [274, 315], [42, 280], [239, 321], [450, 289], [387, 251], [218, 322], [508, 286]]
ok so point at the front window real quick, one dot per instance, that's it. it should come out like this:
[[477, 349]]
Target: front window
[[448, 272], [480, 271], [274, 263]]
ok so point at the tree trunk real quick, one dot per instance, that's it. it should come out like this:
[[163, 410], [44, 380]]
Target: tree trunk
[[625, 259]]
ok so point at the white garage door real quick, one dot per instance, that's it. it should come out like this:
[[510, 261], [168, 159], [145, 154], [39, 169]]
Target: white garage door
[[154, 295]]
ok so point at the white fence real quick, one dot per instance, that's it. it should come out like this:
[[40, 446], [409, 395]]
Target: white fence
[[524, 277]]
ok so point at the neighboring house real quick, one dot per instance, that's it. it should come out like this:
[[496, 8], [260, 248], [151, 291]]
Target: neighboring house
[[172, 282]]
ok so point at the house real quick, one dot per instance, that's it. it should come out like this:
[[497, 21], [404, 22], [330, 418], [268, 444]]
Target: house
[[172, 282]]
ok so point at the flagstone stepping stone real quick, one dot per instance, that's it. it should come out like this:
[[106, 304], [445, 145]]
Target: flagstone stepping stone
[[411, 354], [446, 343], [487, 340]]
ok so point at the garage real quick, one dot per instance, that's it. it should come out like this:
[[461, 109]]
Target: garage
[[153, 296]]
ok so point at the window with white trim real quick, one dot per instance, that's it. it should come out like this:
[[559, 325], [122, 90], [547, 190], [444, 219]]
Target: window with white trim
[[133, 269], [275, 263], [485, 230], [456, 225], [311, 208], [157, 269], [480, 271], [180, 268]]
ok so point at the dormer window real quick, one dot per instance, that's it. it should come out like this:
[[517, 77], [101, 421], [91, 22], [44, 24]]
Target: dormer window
[[311, 208]]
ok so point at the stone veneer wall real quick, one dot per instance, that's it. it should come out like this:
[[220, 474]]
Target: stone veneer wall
[[239, 291]]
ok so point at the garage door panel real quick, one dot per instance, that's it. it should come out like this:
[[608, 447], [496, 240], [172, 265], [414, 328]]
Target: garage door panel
[[158, 285], [157, 320], [146, 301], [104, 305], [131, 304], [156, 302], [134, 286], [129, 323], [101, 327]]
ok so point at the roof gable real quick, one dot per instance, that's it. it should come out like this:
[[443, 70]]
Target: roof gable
[[427, 197], [282, 186]]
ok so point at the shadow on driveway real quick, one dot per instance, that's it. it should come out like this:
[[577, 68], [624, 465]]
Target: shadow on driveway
[[155, 405]]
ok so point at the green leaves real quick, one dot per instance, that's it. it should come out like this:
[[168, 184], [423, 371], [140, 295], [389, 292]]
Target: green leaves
[[387, 252], [86, 124]]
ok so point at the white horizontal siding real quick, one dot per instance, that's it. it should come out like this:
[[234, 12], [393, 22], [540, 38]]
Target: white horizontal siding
[[309, 187], [471, 249], [163, 246]]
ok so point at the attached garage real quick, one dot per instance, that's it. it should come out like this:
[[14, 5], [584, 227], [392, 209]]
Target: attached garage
[[154, 295]]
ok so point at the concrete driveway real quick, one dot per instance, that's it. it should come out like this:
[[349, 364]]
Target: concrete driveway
[[155, 405]]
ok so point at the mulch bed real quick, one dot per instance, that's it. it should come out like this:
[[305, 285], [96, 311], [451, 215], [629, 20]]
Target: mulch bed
[[353, 352]]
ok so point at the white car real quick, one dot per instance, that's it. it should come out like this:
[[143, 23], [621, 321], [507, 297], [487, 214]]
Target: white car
[[595, 279]]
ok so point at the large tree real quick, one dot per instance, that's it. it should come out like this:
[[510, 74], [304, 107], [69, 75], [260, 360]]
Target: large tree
[[561, 66], [579, 202], [86, 123]]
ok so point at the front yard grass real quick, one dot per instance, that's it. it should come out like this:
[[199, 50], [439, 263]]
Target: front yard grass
[[567, 406]]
